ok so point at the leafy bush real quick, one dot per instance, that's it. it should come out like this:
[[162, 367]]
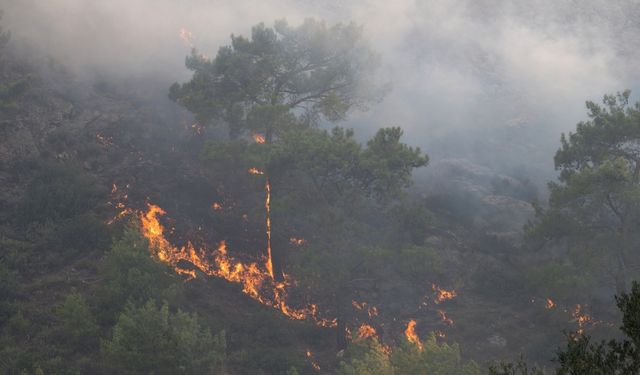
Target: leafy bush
[[149, 339], [77, 327], [130, 273], [370, 357], [57, 192]]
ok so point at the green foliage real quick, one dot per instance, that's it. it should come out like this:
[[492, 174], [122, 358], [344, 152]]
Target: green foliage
[[77, 328], [595, 205], [279, 76], [57, 192], [340, 169], [366, 357], [558, 279], [369, 357], [518, 368], [149, 339], [388, 163], [435, 358], [129, 273]]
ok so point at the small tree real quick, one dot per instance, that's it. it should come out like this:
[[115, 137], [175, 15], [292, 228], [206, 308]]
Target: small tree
[[151, 340], [78, 327], [279, 77], [595, 205]]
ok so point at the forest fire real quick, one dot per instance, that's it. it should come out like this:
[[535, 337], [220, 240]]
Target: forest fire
[[550, 304], [255, 280], [314, 364], [444, 318], [443, 294], [580, 317], [412, 336], [267, 206], [254, 170], [258, 138], [365, 331]]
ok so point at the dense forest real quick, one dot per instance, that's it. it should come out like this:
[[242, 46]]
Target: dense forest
[[239, 225]]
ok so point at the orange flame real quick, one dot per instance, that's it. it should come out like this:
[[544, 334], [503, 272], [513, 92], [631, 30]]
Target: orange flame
[[550, 304], [253, 170], [412, 336], [365, 331], [444, 318], [580, 317], [267, 206], [216, 206], [256, 281], [258, 138], [443, 294]]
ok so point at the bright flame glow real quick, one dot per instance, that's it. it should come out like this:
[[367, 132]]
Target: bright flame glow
[[412, 336], [254, 171], [444, 318], [258, 138], [365, 331], [255, 280], [550, 304], [443, 294]]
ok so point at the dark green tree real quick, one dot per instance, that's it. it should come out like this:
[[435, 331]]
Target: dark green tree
[[595, 205], [281, 76], [148, 340]]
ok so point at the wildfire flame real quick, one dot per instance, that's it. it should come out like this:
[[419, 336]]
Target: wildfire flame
[[412, 336], [365, 331], [255, 280], [444, 318], [258, 138], [254, 170], [267, 206], [550, 304], [314, 364], [580, 317], [443, 294], [187, 37]]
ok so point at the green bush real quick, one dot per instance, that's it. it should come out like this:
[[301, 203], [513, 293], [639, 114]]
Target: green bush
[[129, 273], [57, 192], [149, 339], [77, 326], [368, 357]]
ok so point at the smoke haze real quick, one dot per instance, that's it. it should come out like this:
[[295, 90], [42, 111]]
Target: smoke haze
[[468, 77]]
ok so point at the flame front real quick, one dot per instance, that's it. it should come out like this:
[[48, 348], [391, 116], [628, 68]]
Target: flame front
[[580, 317], [443, 294], [267, 206], [549, 304], [365, 331], [412, 336], [255, 280], [258, 138]]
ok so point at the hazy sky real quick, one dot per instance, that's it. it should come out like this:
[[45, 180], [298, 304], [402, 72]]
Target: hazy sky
[[455, 66]]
